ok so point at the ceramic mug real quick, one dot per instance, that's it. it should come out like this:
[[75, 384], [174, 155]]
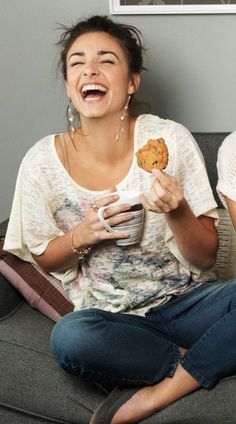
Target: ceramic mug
[[134, 226]]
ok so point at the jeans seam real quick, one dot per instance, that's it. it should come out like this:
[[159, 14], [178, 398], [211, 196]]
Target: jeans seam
[[176, 353]]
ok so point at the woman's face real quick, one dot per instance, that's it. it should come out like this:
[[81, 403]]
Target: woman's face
[[98, 77]]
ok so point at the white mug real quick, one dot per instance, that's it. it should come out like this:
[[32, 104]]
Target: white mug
[[134, 226]]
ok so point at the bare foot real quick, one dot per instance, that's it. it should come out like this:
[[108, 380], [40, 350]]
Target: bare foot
[[141, 405], [147, 401]]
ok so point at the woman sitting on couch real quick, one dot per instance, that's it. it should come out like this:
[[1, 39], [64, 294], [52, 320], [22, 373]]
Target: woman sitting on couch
[[226, 166], [145, 315]]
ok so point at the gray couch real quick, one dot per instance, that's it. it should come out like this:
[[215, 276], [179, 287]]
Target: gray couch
[[35, 390]]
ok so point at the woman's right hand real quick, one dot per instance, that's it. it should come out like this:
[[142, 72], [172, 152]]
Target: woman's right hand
[[91, 231], [59, 255]]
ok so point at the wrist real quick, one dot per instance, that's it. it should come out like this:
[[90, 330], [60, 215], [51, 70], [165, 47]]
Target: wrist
[[78, 249], [180, 211]]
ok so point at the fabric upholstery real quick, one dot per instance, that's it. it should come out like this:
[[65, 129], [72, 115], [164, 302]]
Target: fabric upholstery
[[31, 380], [209, 144]]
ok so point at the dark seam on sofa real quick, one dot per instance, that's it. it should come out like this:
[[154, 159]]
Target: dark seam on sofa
[[32, 414], [27, 348]]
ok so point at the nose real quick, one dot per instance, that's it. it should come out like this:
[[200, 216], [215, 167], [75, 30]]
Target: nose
[[91, 71]]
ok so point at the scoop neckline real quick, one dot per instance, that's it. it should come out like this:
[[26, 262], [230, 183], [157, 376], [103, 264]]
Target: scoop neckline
[[78, 186]]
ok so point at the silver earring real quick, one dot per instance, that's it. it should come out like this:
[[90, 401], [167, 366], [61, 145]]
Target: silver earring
[[70, 116], [122, 118]]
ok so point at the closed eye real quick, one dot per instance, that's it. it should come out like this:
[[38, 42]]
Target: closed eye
[[108, 61], [76, 63]]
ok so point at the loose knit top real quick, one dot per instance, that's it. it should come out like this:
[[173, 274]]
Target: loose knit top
[[226, 166], [48, 203]]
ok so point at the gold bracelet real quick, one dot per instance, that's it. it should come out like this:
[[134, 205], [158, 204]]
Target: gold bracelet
[[80, 253]]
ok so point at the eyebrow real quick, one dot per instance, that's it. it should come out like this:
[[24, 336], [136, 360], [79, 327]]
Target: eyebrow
[[99, 53]]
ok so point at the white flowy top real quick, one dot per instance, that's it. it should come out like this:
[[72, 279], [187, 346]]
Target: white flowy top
[[48, 203], [226, 166]]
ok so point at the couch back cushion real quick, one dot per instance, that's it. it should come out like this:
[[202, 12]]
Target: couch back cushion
[[209, 144]]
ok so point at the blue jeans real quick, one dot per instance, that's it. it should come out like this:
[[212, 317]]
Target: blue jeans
[[125, 349]]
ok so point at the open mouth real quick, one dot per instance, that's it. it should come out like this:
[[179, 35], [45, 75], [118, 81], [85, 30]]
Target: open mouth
[[93, 91]]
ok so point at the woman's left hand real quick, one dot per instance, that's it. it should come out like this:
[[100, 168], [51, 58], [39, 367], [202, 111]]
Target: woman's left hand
[[166, 193]]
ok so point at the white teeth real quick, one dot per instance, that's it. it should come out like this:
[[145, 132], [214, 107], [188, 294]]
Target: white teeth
[[94, 87]]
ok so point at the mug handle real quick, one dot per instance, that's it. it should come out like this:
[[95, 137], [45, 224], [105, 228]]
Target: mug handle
[[102, 220]]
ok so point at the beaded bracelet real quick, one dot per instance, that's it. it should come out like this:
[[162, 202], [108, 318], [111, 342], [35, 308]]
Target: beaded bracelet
[[80, 253]]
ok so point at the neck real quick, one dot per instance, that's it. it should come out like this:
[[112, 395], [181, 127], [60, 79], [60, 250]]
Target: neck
[[106, 139]]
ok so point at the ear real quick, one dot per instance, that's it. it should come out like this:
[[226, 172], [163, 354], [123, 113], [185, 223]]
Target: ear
[[134, 83]]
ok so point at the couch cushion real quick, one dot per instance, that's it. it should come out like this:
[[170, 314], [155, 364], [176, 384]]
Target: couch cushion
[[33, 384], [31, 379], [41, 290], [209, 144]]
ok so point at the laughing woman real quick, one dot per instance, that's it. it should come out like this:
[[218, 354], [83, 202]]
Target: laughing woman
[[146, 320], [226, 166]]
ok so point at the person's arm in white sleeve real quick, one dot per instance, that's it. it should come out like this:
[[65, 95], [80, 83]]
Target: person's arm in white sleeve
[[226, 167], [186, 199]]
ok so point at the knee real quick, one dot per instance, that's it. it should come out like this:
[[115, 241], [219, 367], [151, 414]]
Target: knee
[[73, 337]]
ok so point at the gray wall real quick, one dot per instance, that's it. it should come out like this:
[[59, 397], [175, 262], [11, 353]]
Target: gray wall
[[191, 78]]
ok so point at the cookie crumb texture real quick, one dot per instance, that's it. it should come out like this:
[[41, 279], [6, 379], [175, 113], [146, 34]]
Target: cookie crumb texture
[[153, 155]]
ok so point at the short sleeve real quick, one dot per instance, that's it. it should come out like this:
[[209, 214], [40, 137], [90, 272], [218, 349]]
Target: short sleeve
[[226, 167], [31, 225], [191, 174]]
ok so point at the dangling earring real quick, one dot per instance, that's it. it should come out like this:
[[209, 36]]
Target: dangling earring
[[122, 118], [70, 117]]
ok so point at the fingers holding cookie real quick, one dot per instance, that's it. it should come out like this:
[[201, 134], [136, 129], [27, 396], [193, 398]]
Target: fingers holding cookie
[[151, 205], [165, 193]]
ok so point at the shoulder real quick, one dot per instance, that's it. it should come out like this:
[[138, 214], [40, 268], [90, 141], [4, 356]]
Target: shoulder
[[228, 145], [226, 168], [160, 125], [42, 150], [227, 153], [155, 121], [227, 157], [177, 137]]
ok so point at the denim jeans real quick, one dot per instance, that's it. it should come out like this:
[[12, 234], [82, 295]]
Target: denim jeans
[[126, 349]]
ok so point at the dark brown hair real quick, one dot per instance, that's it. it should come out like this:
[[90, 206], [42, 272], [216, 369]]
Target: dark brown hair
[[128, 37]]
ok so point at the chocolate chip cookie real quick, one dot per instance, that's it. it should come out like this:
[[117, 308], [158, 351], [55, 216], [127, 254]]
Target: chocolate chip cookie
[[153, 155]]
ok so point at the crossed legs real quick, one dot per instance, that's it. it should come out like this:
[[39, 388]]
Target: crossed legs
[[124, 349]]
